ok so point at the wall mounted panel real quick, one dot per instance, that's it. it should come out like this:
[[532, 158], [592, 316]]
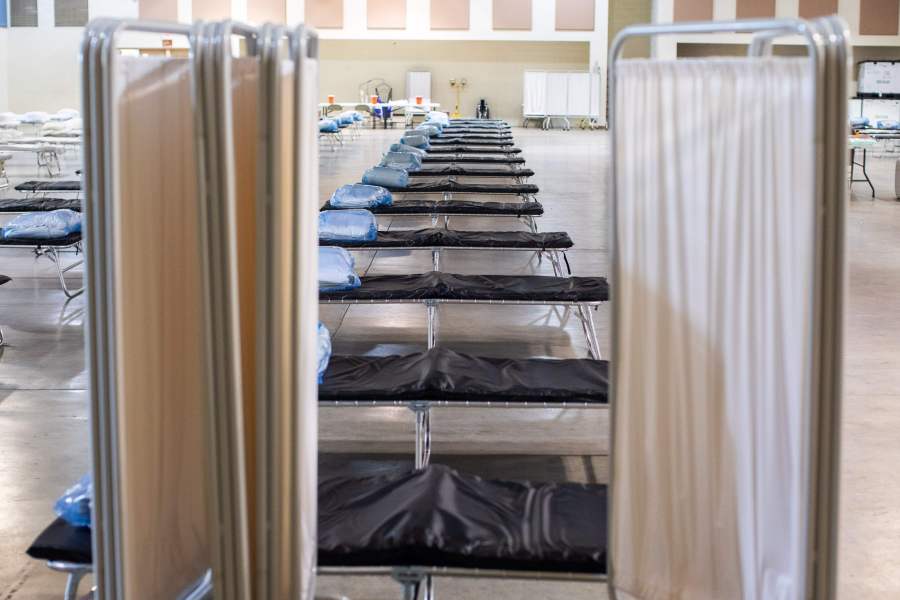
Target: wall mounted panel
[[817, 8], [512, 14], [158, 10], [879, 17], [693, 10], [449, 14], [325, 14], [574, 15], [386, 14], [755, 9]]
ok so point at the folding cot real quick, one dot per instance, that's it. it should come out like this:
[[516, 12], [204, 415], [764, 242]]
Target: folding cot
[[500, 529], [435, 287], [464, 148], [452, 140], [553, 244], [474, 133], [441, 157], [38, 204], [526, 210], [34, 188], [461, 170], [51, 248], [449, 186]]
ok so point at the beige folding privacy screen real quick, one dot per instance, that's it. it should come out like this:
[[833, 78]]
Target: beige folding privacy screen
[[197, 229], [727, 235]]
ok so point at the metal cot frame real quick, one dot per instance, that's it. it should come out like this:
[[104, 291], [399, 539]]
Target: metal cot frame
[[827, 40], [53, 252]]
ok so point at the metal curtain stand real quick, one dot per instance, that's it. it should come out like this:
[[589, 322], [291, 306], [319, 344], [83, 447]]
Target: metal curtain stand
[[827, 41]]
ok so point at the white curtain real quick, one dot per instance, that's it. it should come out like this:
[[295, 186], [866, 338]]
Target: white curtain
[[557, 94], [715, 241], [534, 93], [578, 102]]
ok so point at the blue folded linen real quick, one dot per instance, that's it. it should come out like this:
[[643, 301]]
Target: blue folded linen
[[324, 349], [386, 176], [416, 140], [359, 195], [407, 149], [328, 126], [354, 225], [336, 270], [401, 160], [42, 225], [74, 506]]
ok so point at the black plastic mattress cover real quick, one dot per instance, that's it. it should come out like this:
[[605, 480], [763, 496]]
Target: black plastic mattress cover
[[435, 517], [451, 238], [473, 158], [492, 134], [455, 207], [4, 279], [38, 204], [451, 185], [437, 285], [73, 185], [438, 517], [458, 170], [440, 374], [64, 542], [468, 149], [469, 141], [67, 240]]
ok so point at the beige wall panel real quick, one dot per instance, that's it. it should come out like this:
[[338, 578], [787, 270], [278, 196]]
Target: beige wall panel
[[449, 14], [512, 14], [325, 14], [386, 14], [158, 10], [817, 8], [159, 315], [266, 11], [879, 17], [494, 69], [755, 9], [623, 13], [693, 10], [574, 15], [211, 10]]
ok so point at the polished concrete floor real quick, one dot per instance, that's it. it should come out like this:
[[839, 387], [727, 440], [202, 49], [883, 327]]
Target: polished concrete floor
[[43, 416]]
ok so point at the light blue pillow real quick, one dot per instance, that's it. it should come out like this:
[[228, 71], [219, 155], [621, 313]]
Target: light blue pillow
[[324, 349], [42, 225], [336, 270], [358, 195], [408, 150], [416, 140], [401, 160], [386, 177], [328, 126], [354, 225]]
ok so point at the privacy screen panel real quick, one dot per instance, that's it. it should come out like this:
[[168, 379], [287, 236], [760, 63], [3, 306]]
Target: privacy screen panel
[[70, 13], [23, 13]]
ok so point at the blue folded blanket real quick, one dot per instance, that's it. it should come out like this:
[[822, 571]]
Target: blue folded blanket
[[406, 149], [416, 140], [386, 176], [42, 225], [401, 160], [358, 195], [336, 270], [328, 126], [859, 122], [74, 506], [887, 124], [324, 350], [354, 225], [428, 129]]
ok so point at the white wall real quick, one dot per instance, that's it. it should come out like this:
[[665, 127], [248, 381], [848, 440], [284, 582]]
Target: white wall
[[4, 78]]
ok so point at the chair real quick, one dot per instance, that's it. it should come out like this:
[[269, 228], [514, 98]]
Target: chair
[[364, 109], [333, 107]]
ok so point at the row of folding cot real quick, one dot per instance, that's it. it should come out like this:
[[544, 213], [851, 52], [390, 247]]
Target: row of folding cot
[[204, 346], [208, 363]]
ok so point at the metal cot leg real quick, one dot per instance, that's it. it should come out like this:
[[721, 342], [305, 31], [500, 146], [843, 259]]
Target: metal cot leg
[[435, 259], [431, 309], [423, 434]]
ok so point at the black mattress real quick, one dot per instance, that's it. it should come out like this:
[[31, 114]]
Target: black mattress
[[61, 541], [451, 185], [438, 517], [472, 158], [450, 238], [440, 374], [469, 141], [435, 517], [67, 240], [457, 170], [73, 185], [437, 285], [468, 149], [4, 279], [38, 204], [455, 207], [490, 134]]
